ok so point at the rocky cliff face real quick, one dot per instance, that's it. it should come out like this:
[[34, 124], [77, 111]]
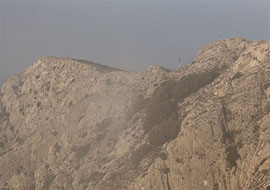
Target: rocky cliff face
[[72, 124]]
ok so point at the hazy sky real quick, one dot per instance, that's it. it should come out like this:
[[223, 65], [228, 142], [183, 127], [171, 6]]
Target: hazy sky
[[128, 34]]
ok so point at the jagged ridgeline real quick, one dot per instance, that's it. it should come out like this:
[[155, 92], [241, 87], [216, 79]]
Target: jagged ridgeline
[[74, 124]]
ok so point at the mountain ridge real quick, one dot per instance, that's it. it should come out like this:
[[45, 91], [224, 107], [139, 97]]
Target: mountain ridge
[[70, 125]]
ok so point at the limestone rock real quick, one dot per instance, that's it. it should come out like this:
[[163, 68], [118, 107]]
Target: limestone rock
[[73, 124]]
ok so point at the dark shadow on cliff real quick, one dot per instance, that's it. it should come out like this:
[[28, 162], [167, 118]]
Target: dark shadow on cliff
[[162, 122]]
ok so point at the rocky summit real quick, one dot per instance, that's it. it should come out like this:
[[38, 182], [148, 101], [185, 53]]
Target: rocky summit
[[77, 125]]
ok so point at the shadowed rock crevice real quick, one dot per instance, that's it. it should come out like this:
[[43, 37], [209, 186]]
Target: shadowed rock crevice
[[4, 115], [161, 122], [232, 156]]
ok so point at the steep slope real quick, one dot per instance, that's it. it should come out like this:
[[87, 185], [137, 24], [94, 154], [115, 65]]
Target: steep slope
[[72, 124], [224, 138]]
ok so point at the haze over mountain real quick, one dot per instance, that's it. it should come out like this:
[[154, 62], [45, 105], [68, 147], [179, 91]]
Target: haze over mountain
[[74, 124], [127, 34]]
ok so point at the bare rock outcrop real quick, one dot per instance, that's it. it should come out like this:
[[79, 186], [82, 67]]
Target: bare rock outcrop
[[73, 124]]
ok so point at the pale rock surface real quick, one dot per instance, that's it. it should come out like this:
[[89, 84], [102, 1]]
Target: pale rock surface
[[73, 124]]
